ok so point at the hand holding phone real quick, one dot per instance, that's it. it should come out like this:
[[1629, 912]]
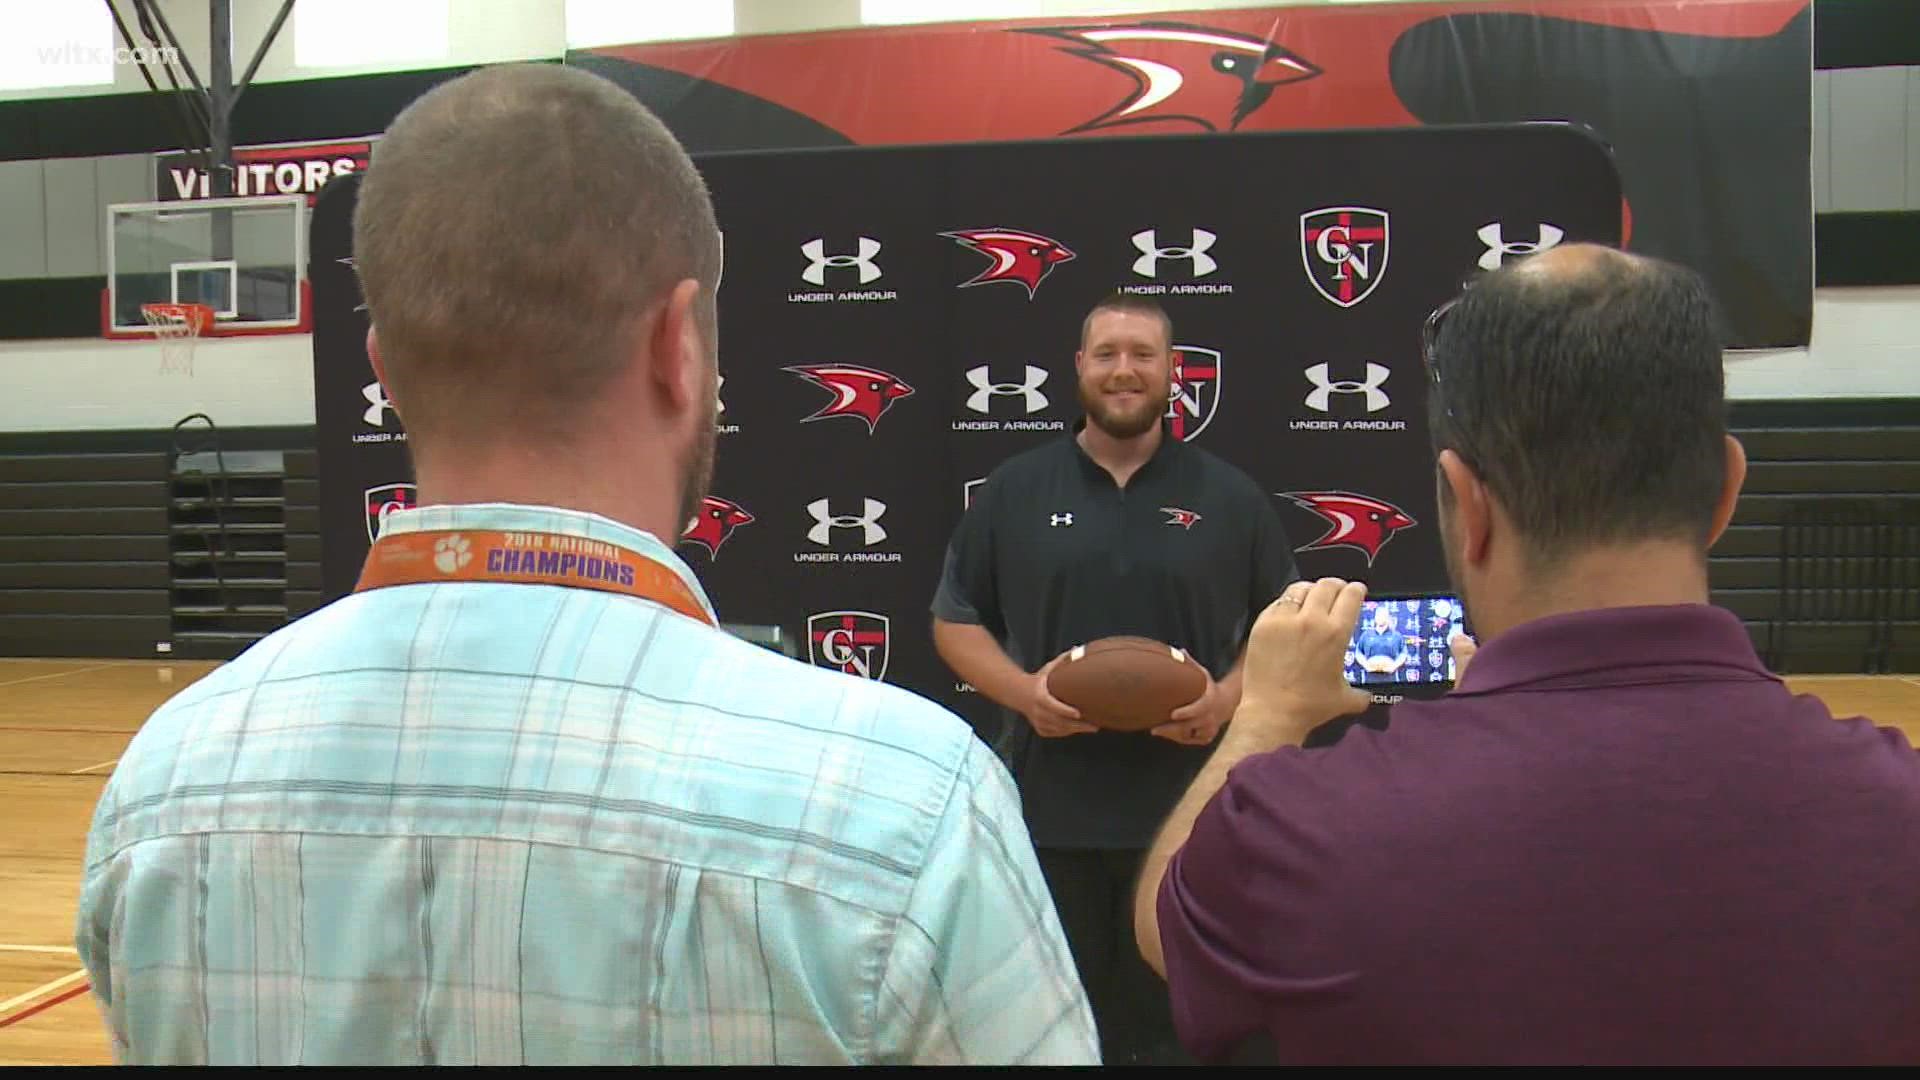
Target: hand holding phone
[[1405, 639]]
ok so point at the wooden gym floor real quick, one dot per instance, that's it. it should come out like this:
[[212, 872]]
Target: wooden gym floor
[[63, 723]]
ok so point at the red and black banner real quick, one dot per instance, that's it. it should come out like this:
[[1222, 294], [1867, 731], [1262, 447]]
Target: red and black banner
[[895, 322], [1706, 103], [282, 169]]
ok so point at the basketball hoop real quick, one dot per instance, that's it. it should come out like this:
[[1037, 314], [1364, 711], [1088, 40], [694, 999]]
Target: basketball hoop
[[178, 327]]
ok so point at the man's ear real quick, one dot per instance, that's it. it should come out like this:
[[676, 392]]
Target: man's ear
[[1472, 506], [380, 371], [678, 365], [1730, 490]]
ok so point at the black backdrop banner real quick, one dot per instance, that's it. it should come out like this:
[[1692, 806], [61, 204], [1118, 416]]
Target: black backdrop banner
[[1706, 104], [896, 321]]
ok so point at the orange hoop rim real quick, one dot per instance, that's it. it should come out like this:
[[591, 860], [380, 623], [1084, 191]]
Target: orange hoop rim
[[195, 318]]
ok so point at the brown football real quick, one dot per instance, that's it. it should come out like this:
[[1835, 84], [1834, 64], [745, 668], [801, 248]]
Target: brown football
[[1126, 683]]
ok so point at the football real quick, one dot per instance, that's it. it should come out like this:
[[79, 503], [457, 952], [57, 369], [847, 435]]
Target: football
[[1126, 683]]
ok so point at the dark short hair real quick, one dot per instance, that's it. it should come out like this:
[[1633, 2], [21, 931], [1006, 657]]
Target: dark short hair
[[515, 225], [1589, 398], [1129, 302]]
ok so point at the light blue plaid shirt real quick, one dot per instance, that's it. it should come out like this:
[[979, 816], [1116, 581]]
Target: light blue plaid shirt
[[498, 823]]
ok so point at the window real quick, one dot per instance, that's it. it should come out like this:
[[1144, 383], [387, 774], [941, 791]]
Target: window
[[54, 45], [358, 33], [592, 23]]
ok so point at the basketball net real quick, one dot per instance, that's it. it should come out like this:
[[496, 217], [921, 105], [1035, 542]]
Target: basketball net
[[178, 328]]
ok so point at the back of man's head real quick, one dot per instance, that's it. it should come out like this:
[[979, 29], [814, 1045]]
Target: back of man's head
[[1585, 387], [514, 228]]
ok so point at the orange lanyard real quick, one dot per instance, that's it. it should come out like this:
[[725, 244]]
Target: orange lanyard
[[525, 558]]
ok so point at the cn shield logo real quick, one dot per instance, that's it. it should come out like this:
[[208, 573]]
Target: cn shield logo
[[854, 642], [1493, 236], [861, 260], [1344, 249], [1027, 393], [860, 392], [1182, 73], [383, 501], [867, 522], [967, 491], [1320, 397], [1194, 396], [1360, 522], [714, 522], [1193, 253], [1016, 256]]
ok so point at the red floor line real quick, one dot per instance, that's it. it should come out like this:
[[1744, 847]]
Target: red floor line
[[43, 1006]]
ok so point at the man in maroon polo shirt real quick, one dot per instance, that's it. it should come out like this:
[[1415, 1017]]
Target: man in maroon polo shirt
[[1620, 839]]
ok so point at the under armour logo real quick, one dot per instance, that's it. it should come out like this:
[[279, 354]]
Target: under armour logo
[[1058, 520], [1498, 247], [377, 404], [1325, 387], [985, 389], [1148, 264], [818, 260], [824, 522]]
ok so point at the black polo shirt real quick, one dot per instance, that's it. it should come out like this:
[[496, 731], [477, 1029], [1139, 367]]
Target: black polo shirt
[[1053, 553]]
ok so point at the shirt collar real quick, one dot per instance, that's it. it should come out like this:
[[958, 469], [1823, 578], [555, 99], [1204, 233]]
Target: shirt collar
[[516, 517], [1170, 445], [1614, 645]]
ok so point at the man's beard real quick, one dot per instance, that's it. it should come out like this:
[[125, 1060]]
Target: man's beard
[[1117, 422], [696, 474]]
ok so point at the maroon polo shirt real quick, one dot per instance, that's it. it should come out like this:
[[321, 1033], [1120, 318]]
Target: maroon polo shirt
[[1619, 840]]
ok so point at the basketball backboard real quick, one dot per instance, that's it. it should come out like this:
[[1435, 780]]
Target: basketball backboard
[[243, 257]]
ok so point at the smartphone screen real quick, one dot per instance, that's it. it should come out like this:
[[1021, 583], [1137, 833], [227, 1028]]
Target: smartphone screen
[[1403, 639]]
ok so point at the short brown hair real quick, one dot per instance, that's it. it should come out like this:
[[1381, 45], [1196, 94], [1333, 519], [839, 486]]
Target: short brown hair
[[1128, 302], [1587, 389], [511, 230]]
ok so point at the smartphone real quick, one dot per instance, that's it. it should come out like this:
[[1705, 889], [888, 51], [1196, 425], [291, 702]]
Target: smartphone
[[1402, 640]]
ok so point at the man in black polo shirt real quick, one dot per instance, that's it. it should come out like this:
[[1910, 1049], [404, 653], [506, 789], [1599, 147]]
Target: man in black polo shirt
[[1119, 528]]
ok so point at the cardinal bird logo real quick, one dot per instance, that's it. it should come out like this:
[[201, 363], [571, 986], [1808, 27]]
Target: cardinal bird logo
[[1355, 521], [349, 264], [1181, 72], [715, 521], [857, 391], [1183, 518], [1018, 256]]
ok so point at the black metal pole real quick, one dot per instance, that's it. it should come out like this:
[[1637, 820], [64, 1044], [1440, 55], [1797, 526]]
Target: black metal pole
[[166, 28], [260, 54], [192, 142], [220, 108]]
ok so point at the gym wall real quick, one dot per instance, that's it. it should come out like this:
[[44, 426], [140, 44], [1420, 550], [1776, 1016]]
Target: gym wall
[[98, 532]]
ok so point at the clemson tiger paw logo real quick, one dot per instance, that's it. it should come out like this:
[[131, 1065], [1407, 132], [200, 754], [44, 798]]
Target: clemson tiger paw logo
[[452, 554]]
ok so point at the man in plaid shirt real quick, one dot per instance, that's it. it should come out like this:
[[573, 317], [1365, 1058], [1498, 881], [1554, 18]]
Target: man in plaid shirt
[[519, 799]]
